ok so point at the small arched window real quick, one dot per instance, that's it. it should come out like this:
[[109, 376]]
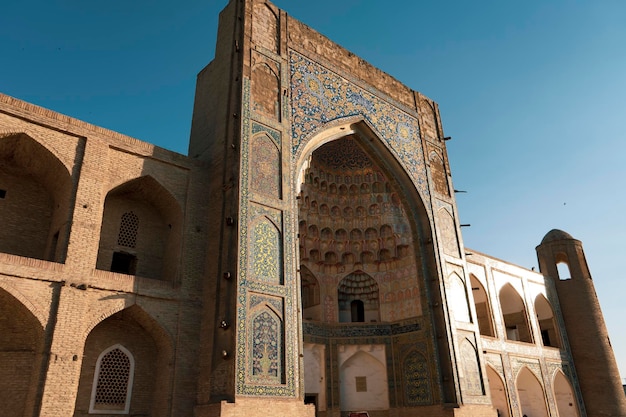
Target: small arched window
[[112, 381]]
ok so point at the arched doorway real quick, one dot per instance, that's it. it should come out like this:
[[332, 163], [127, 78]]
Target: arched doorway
[[21, 339], [564, 394], [499, 395], [532, 399]]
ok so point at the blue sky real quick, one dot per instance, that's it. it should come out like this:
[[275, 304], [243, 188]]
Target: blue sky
[[533, 94]]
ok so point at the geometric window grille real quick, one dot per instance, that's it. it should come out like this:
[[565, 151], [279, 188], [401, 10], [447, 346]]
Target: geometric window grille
[[128, 230], [112, 381]]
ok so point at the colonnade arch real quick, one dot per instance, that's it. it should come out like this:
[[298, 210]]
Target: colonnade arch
[[141, 230], [35, 190], [21, 347], [135, 333]]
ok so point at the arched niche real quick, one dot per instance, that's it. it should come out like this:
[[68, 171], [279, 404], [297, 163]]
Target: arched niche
[[265, 91], [499, 394], [145, 208], [266, 340], [416, 379], [265, 166], [266, 251], [265, 25], [564, 395], [473, 379], [150, 347], [483, 308], [532, 399], [550, 335], [21, 344], [36, 192], [458, 299], [310, 294], [515, 317], [358, 298], [364, 386]]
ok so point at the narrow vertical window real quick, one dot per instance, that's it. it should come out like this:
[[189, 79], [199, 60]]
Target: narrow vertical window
[[112, 382], [563, 271]]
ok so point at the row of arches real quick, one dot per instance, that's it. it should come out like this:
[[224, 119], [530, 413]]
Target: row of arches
[[356, 177], [141, 227], [531, 395], [515, 318], [341, 234], [125, 363], [361, 209]]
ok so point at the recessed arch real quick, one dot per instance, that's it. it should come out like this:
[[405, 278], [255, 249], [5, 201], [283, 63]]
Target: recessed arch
[[532, 399], [565, 398], [150, 348], [158, 236], [499, 395], [21, 346], [458, 301], [514, 314], [483, 307], [412, 223], [265, 165], [37, 204], [550, 335], [364, 383], [358, 297]]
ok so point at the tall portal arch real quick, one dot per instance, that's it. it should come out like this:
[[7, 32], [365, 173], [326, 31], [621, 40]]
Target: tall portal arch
[[384, 241]]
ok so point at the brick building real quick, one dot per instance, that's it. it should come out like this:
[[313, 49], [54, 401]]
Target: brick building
[[305, 259]]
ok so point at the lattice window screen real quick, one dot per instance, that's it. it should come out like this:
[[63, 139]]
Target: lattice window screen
[[113, 381], [128, 230]]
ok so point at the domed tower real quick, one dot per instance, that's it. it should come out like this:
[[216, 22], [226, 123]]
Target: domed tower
[[562, 258]]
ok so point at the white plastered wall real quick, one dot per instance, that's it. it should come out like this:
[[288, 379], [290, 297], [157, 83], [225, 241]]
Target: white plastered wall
[[367, 361], [315, 373]]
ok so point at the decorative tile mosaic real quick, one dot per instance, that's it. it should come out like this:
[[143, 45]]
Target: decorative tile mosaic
[[265, 166], [256, 299], [320, 96], [266, 252], [248, 383], [369, 330], [267, 346], [416, 376], [472, 380], [257, 128]]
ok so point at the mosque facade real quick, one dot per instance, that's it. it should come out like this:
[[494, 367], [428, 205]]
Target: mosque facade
[[305, 259]]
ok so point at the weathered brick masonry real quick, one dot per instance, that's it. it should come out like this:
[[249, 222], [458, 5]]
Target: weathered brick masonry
[[305, 259]]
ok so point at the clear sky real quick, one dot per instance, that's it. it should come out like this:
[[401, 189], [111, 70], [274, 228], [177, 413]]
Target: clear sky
[[533, 94]]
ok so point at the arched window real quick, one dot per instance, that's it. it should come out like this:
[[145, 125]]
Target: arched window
[[547, 323], [562, 266], [514, 315], [483, 308], [113, 381]]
